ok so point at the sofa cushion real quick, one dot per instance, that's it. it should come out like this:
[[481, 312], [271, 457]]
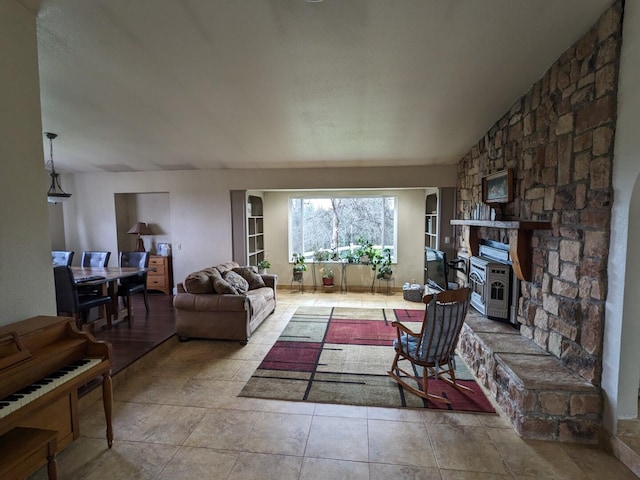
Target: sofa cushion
[[211, 271], [198, 282], [259, 298], [239, 283], [249, 274], [221, 286], [225, 267]]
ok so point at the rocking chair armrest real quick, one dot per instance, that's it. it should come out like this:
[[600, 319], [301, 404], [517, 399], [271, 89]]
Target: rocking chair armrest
[[403, 328]]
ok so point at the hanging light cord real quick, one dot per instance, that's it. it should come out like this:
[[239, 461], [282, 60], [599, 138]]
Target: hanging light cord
[[51, 136]]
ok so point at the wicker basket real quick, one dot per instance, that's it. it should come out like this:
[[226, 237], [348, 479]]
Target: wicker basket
[[412, 293]]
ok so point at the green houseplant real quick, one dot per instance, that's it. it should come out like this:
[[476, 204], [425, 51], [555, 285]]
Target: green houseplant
[[263, 265], [327, 275], [321, 255], [385, 270], [299, 266], [350, 257], [366, 252]]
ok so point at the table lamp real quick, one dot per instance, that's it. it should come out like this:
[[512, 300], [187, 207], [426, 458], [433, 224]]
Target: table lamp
[[140, 228]]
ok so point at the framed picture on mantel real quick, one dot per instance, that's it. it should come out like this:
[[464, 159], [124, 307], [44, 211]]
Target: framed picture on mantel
[[498, 187]]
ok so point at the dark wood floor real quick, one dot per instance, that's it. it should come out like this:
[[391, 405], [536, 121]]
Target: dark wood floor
[[130, 341]]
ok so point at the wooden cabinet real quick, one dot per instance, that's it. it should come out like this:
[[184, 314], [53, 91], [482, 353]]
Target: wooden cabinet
[[160, 276], [247, 218]]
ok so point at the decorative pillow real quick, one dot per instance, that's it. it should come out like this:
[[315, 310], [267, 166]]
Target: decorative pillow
[[236, 281], [198, 282], [225, 267], [221, 286], [250, 275], [211, 271]]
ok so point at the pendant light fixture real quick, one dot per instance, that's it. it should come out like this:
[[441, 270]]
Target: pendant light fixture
[[55, 193]]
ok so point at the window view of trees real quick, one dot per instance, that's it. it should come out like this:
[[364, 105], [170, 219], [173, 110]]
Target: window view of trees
[[337, 223]]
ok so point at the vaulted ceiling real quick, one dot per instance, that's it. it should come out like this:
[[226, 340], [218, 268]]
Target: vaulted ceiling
[[195, 84]]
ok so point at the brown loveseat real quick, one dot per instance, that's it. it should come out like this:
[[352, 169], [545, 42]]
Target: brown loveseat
[[213, 303]]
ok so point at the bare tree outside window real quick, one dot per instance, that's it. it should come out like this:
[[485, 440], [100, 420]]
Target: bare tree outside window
[[336, 223]]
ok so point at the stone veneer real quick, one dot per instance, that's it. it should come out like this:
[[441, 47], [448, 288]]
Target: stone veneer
[[542, 398], [558, 139]]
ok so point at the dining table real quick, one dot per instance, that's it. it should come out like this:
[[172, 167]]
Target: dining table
[[107, 277]]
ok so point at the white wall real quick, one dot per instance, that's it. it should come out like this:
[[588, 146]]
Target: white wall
[[621, 355], [56, 224], [26, 277], [410, 238], [150, 208], [199, 203]]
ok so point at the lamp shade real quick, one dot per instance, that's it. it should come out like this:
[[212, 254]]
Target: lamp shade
[[140, 228]]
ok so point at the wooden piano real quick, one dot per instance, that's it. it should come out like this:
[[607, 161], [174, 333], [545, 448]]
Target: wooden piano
[[43, 362]]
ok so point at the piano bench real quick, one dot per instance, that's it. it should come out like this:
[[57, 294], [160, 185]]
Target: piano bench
[[25, 449]]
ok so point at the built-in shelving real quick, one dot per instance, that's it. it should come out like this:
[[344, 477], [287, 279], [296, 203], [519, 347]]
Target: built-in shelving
[[431, 221], [255, 227], [519, 233], [439, 208], [247, 214]]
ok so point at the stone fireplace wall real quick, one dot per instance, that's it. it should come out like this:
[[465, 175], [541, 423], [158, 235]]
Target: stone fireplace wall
[[558, 139]]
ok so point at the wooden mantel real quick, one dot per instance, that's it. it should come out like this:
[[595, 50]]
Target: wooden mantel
[[519, 240]]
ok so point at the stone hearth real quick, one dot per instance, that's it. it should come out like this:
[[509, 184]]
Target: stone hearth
[[542, 398]]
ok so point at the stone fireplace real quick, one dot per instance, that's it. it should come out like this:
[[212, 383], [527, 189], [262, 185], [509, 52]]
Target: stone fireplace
[[558, 141]]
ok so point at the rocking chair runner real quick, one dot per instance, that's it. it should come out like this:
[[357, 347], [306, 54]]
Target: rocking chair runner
[[433, 347]]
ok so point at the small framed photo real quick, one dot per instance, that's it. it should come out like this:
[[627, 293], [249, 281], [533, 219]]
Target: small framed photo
[[164, 249], [498, 187]]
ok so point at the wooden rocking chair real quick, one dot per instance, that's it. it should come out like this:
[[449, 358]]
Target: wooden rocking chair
[[433, 347]]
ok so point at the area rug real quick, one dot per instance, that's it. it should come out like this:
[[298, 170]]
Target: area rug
[[342, 355]]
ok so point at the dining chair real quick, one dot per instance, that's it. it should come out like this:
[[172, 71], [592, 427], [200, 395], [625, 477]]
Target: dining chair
[[70, 302], [129, 286], [95, 259], [61, 258], [430, 352]]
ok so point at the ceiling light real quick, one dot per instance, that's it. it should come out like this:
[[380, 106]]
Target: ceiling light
[[55, 193]]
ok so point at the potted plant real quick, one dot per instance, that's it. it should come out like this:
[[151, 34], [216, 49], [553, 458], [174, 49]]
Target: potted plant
[[327, 275], [263, 265], [321, 255], [350, 257], [385, 271], [299, 266], [365, 251]]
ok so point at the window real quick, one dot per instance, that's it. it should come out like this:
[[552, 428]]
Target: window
[[336, 224]]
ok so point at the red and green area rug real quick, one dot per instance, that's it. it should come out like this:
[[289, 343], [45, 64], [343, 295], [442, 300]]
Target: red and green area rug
[[342, 355]]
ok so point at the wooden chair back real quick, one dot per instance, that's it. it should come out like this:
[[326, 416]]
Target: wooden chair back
[[443, 320]]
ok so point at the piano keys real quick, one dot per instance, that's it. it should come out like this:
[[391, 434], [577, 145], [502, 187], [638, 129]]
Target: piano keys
[[43, 362], [41, 387]]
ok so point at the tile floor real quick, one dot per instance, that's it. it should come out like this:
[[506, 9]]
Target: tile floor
[[177, 416]]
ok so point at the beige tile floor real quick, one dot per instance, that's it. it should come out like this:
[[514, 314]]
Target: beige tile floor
[[177, 416]]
